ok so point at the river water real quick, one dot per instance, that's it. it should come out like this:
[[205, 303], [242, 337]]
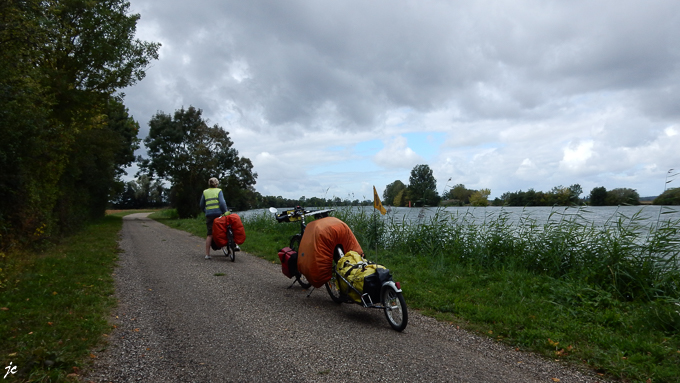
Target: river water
[[645, 215]]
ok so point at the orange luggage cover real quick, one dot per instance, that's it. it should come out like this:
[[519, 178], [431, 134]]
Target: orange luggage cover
[[315, 258], [237, 228]]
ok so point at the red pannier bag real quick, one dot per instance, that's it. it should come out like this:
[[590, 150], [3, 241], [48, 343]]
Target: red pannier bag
[[288, 258], [315, 258], [219, 232], [237, 228]]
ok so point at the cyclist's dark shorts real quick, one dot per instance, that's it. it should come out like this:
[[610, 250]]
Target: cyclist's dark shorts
[[208, 224]]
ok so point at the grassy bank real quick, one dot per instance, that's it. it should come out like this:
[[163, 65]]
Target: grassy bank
[[606, 298], [54, 304]]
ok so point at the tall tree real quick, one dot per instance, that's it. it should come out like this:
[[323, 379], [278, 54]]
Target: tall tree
[[61, 61], [103, 152], [185, 151], [598, 196], [575, 192], [391, 191], [423, 185]]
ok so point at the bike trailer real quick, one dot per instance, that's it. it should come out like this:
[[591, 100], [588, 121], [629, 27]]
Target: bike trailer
[[288, 258], [366, 277], [315, 257]]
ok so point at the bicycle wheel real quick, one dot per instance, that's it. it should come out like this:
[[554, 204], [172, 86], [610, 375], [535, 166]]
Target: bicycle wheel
[[302, 280], [295, 242], [395, 308], [231, 245], [229, 252], [333, 290]]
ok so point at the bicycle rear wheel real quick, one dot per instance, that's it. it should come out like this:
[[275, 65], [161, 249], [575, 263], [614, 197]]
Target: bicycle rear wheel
[[229, 252]]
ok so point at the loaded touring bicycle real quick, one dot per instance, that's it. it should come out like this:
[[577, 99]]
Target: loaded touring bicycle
[[329, 255]]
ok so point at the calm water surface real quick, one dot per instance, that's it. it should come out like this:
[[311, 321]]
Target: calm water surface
[[601, 215]]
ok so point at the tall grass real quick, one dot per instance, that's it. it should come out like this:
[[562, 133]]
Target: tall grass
[[626, 256]]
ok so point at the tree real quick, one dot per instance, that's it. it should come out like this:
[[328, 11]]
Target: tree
[[622, 196], [668, 197], [575, 192], [480, 198], [391, 191], [60, 63], [402, 198], [140, 193], [460, 194], [185, 151], [598, 196], [423, 185], [90, 175]]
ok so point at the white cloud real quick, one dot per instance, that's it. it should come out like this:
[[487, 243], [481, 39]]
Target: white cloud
[[576, 155], [396, 154]]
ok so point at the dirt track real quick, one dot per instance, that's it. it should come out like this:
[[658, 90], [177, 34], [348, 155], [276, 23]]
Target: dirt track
[[177, 321]]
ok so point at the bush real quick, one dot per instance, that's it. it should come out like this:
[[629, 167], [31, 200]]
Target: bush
[[668, 197]]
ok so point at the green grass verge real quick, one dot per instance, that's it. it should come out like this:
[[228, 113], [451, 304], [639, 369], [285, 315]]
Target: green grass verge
[[54, 304], [543, 290]]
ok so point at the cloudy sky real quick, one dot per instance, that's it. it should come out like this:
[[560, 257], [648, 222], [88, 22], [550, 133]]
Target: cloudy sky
[[328, 98]]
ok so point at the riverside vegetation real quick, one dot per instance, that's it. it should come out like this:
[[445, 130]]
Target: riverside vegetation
[[604, 297]]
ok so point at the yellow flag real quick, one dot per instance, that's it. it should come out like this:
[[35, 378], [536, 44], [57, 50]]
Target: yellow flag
[[376, 202]]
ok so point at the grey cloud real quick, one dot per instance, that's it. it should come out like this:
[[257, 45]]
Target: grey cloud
[[528, 75]]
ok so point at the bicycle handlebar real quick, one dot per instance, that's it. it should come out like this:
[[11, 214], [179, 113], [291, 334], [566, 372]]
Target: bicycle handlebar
[[299, 213]]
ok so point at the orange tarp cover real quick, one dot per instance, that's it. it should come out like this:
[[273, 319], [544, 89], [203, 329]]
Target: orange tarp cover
[[315, 258], [237, 228]]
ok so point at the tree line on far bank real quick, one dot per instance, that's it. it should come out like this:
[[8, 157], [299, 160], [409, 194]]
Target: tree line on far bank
[[419, 192]]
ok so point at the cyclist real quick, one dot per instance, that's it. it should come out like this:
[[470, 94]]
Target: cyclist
[[213, 204]]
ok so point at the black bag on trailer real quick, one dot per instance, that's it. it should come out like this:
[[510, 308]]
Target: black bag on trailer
[[373, 283]]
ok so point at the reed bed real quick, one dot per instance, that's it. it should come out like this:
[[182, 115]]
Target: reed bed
[[627, 256]]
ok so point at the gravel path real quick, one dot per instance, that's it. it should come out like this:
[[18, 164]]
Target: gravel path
[[177, 321]]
